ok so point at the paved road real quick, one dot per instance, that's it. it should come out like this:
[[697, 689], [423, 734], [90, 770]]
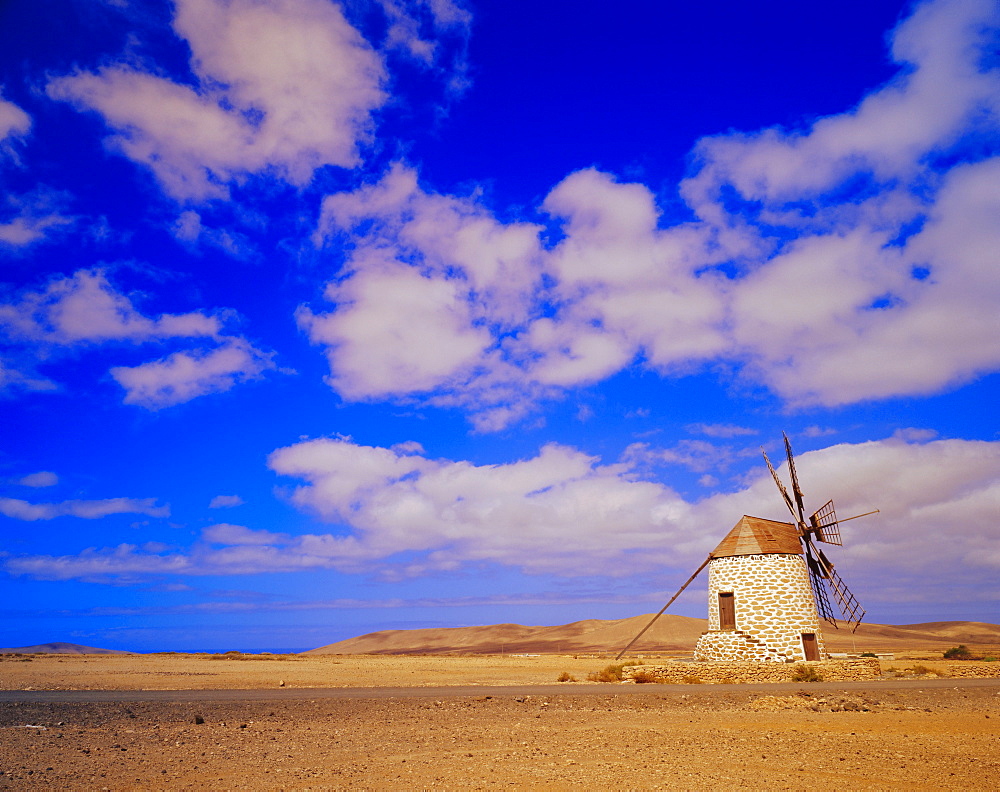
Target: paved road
[[300, 694]]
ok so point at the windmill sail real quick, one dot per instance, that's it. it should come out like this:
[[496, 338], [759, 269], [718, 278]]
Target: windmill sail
[[825, 526], [781, 487], [819, 589], [801, 515], [846, 601]]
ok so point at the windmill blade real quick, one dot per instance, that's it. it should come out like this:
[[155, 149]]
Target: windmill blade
[[819, 590], [846, 601], [795, 481], [781, 487], [658, 615], [825, 526]]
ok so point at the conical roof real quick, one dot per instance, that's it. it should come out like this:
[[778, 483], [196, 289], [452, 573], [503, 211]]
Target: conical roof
[[757, 536]]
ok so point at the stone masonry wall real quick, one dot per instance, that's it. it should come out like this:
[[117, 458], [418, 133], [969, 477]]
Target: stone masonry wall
[[747, 672], [774, 606]]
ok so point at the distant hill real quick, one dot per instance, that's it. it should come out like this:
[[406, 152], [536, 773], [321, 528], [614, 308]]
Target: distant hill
[[59, 648], [670, 633]]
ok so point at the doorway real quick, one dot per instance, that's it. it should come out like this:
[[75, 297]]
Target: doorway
[[810, 646], [727, 611]]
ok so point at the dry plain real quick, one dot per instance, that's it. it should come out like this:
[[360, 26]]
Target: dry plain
[[927, 733], [421, 721]]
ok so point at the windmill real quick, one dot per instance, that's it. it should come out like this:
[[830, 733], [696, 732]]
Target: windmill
[[823, 526], [768, 585]]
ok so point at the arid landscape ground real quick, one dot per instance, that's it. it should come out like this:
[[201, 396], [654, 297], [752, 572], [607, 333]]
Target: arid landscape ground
[[325, 720]]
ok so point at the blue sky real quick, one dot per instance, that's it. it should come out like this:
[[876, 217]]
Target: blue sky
[[318, 319]]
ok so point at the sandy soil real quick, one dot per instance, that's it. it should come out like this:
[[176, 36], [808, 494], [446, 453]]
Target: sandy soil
[[212, 672], [243, 672], [941, 737], [885, 735]]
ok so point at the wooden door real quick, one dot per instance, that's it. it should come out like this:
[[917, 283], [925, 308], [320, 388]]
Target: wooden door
[[810, 646], [727, 611]]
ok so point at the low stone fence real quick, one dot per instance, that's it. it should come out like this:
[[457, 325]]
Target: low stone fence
[[970, 668], [729, 672]]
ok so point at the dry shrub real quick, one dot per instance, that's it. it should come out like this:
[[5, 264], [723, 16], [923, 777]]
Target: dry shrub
[[922, 670], [644, 677], [565, 676], [610, 673], [804, 673], [691, 680]]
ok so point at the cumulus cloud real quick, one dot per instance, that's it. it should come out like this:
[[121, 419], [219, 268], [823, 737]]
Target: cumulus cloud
[[27, 228], [225, 501], [441, 296], [20, 376], [415, 28], [570, 514], [87, 509], [720, 430], [226, 534], [282, 86], [43, 478], [183, 376], [697, 455], [14, 123], [24, 218], [823, 291], [194, 235], [85, 308]]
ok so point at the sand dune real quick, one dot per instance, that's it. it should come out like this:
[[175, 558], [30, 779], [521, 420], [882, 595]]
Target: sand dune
[[670, 634], [59, 647]]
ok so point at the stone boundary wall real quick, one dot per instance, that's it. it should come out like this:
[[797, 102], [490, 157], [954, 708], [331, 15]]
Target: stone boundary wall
[[722, 671], [971, 668]]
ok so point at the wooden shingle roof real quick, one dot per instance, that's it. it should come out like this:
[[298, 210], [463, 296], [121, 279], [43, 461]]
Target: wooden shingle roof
[[757, 536]]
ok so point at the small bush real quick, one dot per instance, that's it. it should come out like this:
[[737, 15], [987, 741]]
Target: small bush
[[920, 670], [868, 654], [989, 659], [960, 652], [610, 673], [644, 677], [691, 680], [565, 676], [804, 673]]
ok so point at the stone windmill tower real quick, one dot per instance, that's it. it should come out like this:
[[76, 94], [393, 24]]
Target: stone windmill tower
[[760, 601], [768, 583]]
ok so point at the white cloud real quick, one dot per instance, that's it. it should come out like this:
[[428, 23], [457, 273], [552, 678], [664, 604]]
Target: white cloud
[[824, 297], [190, 231], [87, 509], [86, 308], [43, 478], [226, 534], [20, 376], [407, 17], [566, 513], [697, 455], [283, 86], [183, 376], [720, 430], [225, 501], [30, 217], [14, 123], [942, 93], [440, 296]]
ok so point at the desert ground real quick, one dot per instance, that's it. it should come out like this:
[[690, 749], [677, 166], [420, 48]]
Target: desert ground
[[421, 721]]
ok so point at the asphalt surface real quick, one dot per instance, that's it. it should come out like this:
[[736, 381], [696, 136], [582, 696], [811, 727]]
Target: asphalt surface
[[569, 689]]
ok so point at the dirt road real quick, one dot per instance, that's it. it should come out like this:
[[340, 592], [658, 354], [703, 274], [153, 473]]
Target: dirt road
[[929, 734]]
